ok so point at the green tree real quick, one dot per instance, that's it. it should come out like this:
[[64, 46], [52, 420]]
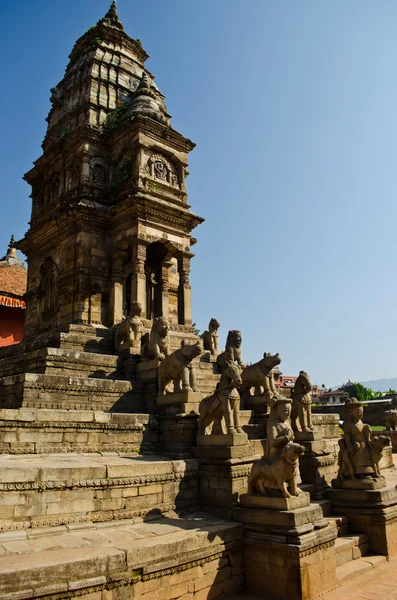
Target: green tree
[[359, 391]]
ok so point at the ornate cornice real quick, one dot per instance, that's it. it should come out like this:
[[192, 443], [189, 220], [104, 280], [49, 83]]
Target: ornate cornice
[[97, 483]]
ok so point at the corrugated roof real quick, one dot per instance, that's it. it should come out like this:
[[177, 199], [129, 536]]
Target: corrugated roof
[[13, 280]]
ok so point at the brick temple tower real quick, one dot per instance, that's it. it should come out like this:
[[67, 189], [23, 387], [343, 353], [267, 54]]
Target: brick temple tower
[[110, 221]]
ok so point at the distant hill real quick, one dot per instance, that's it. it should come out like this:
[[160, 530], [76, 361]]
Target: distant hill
[[381, 385]]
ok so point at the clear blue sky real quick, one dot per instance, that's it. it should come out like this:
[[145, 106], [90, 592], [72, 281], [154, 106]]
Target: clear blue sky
[[293, 106]]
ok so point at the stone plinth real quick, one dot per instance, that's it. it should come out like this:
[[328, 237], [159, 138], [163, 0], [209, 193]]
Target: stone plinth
[[226, 439], [368, 483], [147, 370], [307, 436], [372, 511], [179, 398], [275, 503], [317, 465], [178, 433], [288, 553], [226, 452]]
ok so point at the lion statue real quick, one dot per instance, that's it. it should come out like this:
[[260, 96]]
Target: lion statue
[[281, 474], [177, 367], [210, 337], [129, 332], [232, 352], [259, 376], [302, 403], [156, 345]]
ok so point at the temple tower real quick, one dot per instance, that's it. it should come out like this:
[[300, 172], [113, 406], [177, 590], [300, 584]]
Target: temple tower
[[110, 221]]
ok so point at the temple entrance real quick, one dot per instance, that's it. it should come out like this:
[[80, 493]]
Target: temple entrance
[[156, 254]]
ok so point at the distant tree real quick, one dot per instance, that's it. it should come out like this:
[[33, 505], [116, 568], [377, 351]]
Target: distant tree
[[196, 331], [359, 391]]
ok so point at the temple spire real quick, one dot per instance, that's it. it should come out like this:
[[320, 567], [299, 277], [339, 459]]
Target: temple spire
[[112, 18]]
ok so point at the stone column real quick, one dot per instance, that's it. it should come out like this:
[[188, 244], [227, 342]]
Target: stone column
[[85, 170], [138, 279], [185, 290], [165, 285], [116, 291]]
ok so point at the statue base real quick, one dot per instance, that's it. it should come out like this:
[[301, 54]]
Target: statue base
[[371, 511], [367, 483], [178, 434], [222, 439], [317, 465], [179, 402], [307, 436], [223, 452], [275, 503], [288, 553]]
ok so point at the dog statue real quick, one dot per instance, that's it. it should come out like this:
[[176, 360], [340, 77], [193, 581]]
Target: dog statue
[[280, 474]]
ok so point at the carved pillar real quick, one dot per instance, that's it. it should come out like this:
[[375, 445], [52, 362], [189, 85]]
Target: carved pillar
[[85, 170], [165, 285], [116, 291], [138, 279], [184, 291]]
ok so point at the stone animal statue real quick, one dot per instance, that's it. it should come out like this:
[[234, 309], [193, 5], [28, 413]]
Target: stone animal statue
[[302, 403], [129, 332], [156, 345], [232, 352], [210, 337], [259, 376], [224, 402], [177, 367], [359, 450], [280, 474], [390, 417]]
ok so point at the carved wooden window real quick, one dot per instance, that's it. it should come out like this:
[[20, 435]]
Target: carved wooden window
[[54, 188]]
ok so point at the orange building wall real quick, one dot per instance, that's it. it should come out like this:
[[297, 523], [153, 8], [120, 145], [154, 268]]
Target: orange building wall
[[12, 322]]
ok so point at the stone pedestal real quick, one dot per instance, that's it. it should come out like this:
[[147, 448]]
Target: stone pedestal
[[289, 553], [224, 473], [223, 439], [127, 362], [146, 373], [317, 465], [371, 511], [178, 434], [179, 402], [178, 418]]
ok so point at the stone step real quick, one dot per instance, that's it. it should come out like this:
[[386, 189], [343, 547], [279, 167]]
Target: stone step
[[85, 338], [341, 523], [354, 568], [33, 390], [49, 490], [35, 431], [247, 417], [60, 361], [200, 556], [350, 547]]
